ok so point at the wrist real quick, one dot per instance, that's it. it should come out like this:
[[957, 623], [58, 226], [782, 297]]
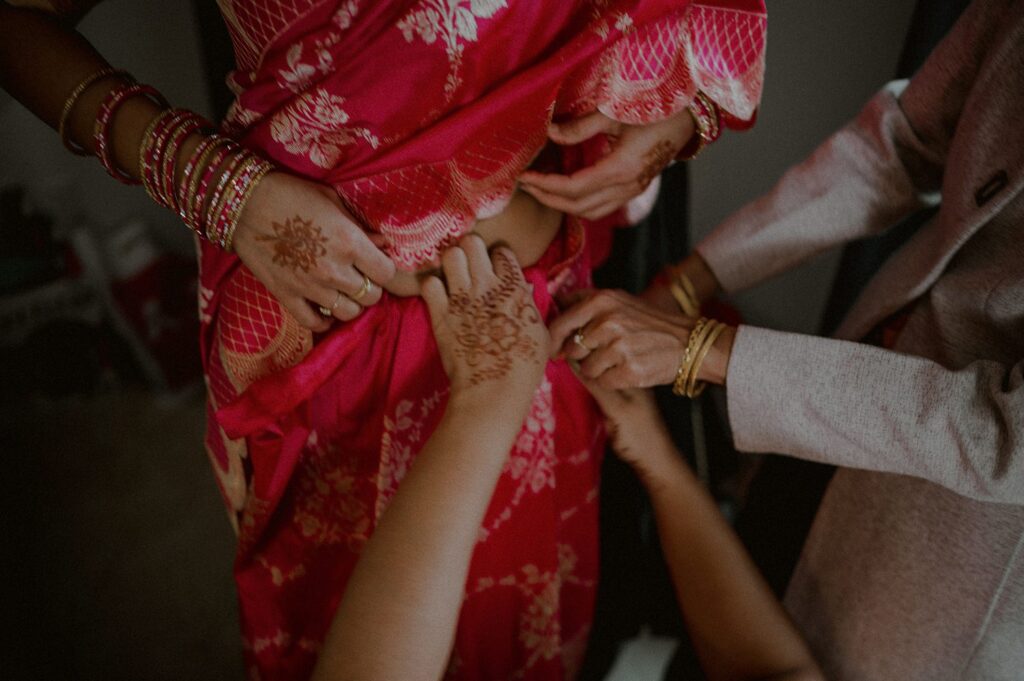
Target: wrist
[[715, 367], [704, 281], [489, 408]]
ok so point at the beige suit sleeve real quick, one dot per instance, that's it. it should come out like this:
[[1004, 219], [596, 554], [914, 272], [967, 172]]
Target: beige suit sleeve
[[864, 179], [860, 406]]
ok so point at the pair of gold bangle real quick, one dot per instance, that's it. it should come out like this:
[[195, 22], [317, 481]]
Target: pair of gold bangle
[[683, 291], [704, 334]]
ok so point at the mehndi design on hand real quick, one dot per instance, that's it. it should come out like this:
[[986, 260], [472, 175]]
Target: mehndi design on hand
[[492, 327], [655, 160], [297, 243]]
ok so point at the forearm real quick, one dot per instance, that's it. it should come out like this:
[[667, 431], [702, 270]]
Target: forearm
[[41, 63], [738, 628], [861, 181], [860, 406], [409, 583]]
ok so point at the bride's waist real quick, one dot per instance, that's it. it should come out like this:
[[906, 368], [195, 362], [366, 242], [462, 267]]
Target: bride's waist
[[525, 226]]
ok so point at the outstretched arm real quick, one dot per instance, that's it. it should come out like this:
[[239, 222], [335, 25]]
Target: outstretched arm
[[42, 62], [882, 166], [408, 585], [738, 629]]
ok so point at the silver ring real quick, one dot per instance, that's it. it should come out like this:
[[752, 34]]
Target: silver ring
[[325, 311]]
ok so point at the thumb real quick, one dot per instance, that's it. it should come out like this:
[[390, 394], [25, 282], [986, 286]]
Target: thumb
[[580, 129]]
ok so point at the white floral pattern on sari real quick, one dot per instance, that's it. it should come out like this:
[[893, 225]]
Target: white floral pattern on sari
[[451, 21], [315, 127]]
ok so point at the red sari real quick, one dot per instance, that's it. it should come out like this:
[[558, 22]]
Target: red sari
[[421, 114]]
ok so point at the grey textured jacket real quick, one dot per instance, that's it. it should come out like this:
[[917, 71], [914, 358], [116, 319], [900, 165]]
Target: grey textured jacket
[[914, 568]]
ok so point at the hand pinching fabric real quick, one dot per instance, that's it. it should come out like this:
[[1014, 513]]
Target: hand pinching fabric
[[639, 154], [488, 330]]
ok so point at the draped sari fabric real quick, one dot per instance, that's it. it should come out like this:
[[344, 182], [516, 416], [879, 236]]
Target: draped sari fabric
[[421, 114]]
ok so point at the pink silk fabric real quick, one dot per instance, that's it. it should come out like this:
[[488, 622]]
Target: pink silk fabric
[[421, 114]]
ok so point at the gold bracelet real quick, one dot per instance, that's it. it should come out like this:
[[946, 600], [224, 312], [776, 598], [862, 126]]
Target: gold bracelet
[[683, 372], [700, 132], [191, 210], [144, 145], [229, 235], [76, 94], [685, 388], [684, 292], [694, 387]]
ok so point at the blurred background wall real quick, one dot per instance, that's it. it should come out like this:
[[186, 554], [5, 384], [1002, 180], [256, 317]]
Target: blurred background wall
[[825, 59], [158, 41], [118, 555]]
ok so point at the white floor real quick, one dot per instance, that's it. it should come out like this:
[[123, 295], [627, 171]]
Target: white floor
[[644, 658]]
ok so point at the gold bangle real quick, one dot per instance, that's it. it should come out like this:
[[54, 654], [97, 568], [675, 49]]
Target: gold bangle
[[229, 233], [695, 387], [684, 292], [685, 388], [214, 211], [716, 125], [189, 208], [76, 94], [683, 372], [700, 132], [144, 145], [688, 286]]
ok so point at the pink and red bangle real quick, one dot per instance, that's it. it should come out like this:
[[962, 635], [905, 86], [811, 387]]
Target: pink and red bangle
[[104, 124], [169, 155], [64, 122], [233, 172], [707, 126]]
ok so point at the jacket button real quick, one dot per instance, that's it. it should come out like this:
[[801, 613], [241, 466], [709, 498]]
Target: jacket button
[[995, 184]]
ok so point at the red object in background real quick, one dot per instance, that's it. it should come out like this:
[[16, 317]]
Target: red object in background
[[155, 295]]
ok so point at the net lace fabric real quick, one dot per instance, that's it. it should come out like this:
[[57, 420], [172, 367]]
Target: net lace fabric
[[254, 24]]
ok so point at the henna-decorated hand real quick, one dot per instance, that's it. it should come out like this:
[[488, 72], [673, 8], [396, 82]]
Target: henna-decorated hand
[[488, 330], [639, 154], [298, 239]]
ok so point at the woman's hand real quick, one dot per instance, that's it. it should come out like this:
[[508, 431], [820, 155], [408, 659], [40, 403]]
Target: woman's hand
[[489, 333], [636, 429], [639, 155], [620, 341], [301, 243]]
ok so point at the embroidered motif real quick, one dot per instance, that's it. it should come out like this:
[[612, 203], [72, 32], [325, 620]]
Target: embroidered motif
[[328, 509], [451, 21], [531, 465], [404, 434], [315, 127], [346, 14]]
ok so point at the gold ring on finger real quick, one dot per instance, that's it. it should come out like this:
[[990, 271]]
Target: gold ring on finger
[[364, 289], [579, 340], [324, 310]]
